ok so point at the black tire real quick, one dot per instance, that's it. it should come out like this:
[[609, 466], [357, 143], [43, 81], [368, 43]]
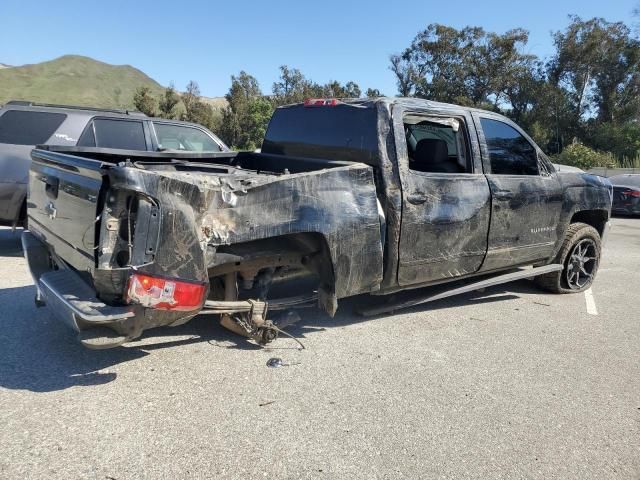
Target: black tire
[[580, 257]]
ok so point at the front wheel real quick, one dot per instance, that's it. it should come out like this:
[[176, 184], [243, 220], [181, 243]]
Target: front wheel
[[580, 257]]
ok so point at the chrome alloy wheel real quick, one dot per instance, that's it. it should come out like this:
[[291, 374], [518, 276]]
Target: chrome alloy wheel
[[582, 264]]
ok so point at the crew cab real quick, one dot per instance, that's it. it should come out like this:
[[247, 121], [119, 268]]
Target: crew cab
[[346, 197], [25, 124]]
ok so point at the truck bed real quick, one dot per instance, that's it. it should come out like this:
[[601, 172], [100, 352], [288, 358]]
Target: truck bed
[[107, 212]]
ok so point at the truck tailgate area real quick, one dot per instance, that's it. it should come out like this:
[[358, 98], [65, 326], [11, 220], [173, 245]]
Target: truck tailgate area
[[63, 205]]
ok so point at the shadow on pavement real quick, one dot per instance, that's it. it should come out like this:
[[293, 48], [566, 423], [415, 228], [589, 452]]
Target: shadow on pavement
[[40, 354], [317, 321], [203, 328]]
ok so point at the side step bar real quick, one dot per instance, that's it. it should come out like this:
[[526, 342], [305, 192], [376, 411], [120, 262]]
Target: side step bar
[[489, 282]]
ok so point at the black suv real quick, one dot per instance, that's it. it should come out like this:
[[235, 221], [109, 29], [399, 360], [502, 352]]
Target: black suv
[[26, 124]]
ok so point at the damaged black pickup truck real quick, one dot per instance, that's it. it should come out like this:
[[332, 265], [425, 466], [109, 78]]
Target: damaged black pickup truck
[[345, 198]]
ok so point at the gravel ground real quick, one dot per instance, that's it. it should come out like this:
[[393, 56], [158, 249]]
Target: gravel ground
[[506, 383]]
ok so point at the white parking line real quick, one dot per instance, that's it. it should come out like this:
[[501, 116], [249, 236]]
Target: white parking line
[[591, 302]]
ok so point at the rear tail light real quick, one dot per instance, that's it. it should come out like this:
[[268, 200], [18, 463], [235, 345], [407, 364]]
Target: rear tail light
[[633, 193], [165, 294], [321, 102]]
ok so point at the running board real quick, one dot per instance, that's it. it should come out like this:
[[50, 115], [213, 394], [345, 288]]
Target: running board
[[489, 282]]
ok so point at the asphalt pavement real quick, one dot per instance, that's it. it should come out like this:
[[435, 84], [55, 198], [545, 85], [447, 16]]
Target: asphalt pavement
[[510, 382]]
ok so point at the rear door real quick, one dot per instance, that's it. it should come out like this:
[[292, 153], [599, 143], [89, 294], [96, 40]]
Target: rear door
[[446, 199], [526, 195]]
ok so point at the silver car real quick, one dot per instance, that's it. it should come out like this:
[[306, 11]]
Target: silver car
[[26, 124]]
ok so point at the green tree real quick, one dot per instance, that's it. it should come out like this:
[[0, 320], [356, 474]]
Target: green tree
[[468, 66], [581, 156], [144, 101], [168, 102], [195, 109], [589, 91], [352, 90], [408, 73], [258, 116], [203, 114], [596, 63], [373, 93], [622, 140], [191, 100], [596, 67], [291, 87], [550, 118], [335, 89], [245, 119]]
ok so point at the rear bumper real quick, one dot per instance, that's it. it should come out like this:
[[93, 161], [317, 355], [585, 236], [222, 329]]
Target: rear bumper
[[70, 298], [76, 303]]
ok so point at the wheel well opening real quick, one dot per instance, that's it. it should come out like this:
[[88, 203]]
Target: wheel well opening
[[596, 218], [301, 261]]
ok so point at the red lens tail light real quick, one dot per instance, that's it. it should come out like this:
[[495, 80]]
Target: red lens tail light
[[165, 294], [633, 193]]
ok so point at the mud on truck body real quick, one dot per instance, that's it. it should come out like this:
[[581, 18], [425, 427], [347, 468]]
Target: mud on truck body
[[345, 198]]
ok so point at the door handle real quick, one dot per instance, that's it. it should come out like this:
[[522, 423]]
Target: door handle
[[504, 195], [417, 198]]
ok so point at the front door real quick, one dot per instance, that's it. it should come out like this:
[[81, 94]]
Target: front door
[[446, 199], [526, 196]]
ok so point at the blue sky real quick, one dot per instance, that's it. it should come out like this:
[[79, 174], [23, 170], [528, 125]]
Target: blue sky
[[208, 41]]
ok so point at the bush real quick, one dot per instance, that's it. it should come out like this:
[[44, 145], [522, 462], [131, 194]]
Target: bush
[[623, 141], [581, 156]]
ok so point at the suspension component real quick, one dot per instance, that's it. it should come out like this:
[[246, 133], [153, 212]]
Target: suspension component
[[245, 317]]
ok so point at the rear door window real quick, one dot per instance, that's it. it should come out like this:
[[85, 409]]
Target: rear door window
[[436, 145], [28, 128], [180, 137], [111, 133]]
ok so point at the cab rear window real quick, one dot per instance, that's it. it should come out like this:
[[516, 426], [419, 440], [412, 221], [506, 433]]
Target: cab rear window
[[342, 132], [19, 127]]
